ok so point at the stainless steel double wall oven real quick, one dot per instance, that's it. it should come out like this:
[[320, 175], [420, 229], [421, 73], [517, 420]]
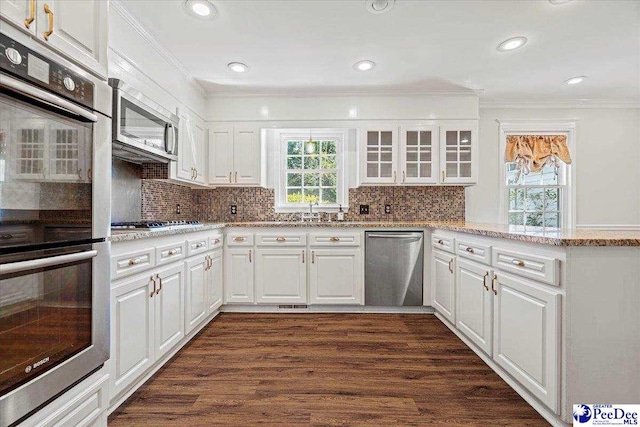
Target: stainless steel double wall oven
[[55, 158]]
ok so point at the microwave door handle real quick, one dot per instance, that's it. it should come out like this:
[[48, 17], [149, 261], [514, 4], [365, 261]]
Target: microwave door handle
[[170, 138], [17, 267], [47, 97]]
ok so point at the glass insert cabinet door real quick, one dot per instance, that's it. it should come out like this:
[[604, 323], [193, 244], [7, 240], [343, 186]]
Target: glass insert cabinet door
[[379, 160], [419, 155], [458, 153]]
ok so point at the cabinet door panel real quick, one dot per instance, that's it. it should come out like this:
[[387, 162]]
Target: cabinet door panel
[[17, 12], [221, 155], [246, 156], [474, 303], [238, 275], [281, 276], [214, 282], [200, 135], [458, 153], [80, 31], [195, 295], [186, 148], [379, 155], [527, 335], [169, 318], [132, 308], [443, 283], [419, 162], [336, 276]]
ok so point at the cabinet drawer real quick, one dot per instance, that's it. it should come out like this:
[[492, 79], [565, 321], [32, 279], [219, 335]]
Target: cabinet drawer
[[132, 262], [443, 243], [240, 239], [197, 246], [281, 239], [537, 267], [475, 251], [216, 241], [169, 253], [334, 239]]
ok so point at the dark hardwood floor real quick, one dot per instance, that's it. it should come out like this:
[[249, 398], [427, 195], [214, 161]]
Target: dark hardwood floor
[[325, 369]]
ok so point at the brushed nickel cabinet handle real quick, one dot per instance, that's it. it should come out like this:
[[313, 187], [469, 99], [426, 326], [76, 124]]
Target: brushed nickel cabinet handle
[[159, 283], [216, 241], [134, 261], [281, 239], [303, 256], [334, 239], [493, 288], [172, 252], [239, 239], [394, 177], [249, 255], [153, 292], [32, 14], [441, 242], [230, 178], [451, 266], [236, 177], [443, 176], [313, 257], [517, 262], [484, 280], [470, 250], [49, 12]]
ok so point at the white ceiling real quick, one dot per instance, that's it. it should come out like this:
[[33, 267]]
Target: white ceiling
[[311, 46]]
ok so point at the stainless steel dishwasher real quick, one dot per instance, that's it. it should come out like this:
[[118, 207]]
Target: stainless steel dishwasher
[[393, 268]]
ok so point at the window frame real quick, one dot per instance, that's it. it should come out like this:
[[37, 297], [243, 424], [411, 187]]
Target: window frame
[[342, 199], [568, 188]]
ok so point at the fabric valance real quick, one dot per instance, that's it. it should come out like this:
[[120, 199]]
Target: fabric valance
[[534, 152]]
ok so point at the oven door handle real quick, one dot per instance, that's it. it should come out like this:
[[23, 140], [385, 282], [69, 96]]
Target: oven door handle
[[47, 97], [16, 267]]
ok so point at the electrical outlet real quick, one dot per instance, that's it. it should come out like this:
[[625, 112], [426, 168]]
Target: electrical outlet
[[234, 209], [387, 209], [178, 208], [364, 209]]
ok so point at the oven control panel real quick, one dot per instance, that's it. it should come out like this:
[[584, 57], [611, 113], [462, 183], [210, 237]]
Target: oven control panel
[[23, 62]]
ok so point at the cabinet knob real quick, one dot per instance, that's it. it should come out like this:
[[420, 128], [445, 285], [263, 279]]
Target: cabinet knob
[[518, 262], [172, 252], [470, 250], [334, 239], [134, 261], [281, 239], [440, 242], [239, 239]]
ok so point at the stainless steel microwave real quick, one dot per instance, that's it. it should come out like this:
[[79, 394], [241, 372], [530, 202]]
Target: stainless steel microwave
[[143, 130]]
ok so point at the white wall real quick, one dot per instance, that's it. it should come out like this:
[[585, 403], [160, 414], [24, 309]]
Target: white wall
[[137, 59], [606, 158]]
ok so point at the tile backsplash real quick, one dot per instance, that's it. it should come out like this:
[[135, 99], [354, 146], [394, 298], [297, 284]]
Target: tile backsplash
[[160, 200]]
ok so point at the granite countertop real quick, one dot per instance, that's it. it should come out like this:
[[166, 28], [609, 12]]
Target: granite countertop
[[563, 237]]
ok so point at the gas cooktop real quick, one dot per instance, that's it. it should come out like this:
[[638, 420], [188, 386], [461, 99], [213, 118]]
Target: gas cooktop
[[154, 225]]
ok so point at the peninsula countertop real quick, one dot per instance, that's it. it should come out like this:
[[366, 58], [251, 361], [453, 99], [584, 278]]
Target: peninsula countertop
[[555, 237]]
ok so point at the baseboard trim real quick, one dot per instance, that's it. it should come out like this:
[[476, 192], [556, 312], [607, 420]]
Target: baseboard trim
[[119, 400], [250, 308], [547, 414], [614, 227]]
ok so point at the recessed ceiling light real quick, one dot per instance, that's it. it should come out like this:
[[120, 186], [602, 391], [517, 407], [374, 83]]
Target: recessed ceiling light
[[512, 44], [575, 80], [202, 9], [365, 65], [238, 67], [379, 6]]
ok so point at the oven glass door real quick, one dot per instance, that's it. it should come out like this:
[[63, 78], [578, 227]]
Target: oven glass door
[[143, 126], [45, 174], [45, 311]]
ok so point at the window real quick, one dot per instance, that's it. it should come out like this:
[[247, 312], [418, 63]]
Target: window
[[311, 170], [536, 199]]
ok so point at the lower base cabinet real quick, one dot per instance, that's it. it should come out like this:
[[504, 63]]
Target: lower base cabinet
[[526, 326], [474, 303], [336, 276], [196, 291], [281, 276], [214, 282], [147, 322], [443, 282], [238, 275]]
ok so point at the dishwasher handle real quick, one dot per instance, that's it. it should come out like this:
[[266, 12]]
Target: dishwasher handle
[[394, 236]]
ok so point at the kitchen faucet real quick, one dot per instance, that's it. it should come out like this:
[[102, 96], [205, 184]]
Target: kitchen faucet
[[310, 215]]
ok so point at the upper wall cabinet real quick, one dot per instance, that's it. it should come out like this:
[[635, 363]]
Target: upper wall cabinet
[[458, 153], [234, 155], [422, 155], [77, 29], [192, 144]]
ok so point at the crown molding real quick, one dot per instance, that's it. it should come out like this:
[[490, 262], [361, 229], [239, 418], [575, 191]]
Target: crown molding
[[560, 103], [146, 35], [341, 93]]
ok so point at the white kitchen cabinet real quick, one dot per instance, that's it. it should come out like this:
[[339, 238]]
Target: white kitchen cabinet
[[474, 303], [443, 284], [132, 332], [419, 154], [379, 153], [238, 275], [336, 276], [169, 311], [77, 29], [196, 288], [527, 335], [459, 153], [281, 275], [21, 13], [234, 155], [191, 165], [214, 297]]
